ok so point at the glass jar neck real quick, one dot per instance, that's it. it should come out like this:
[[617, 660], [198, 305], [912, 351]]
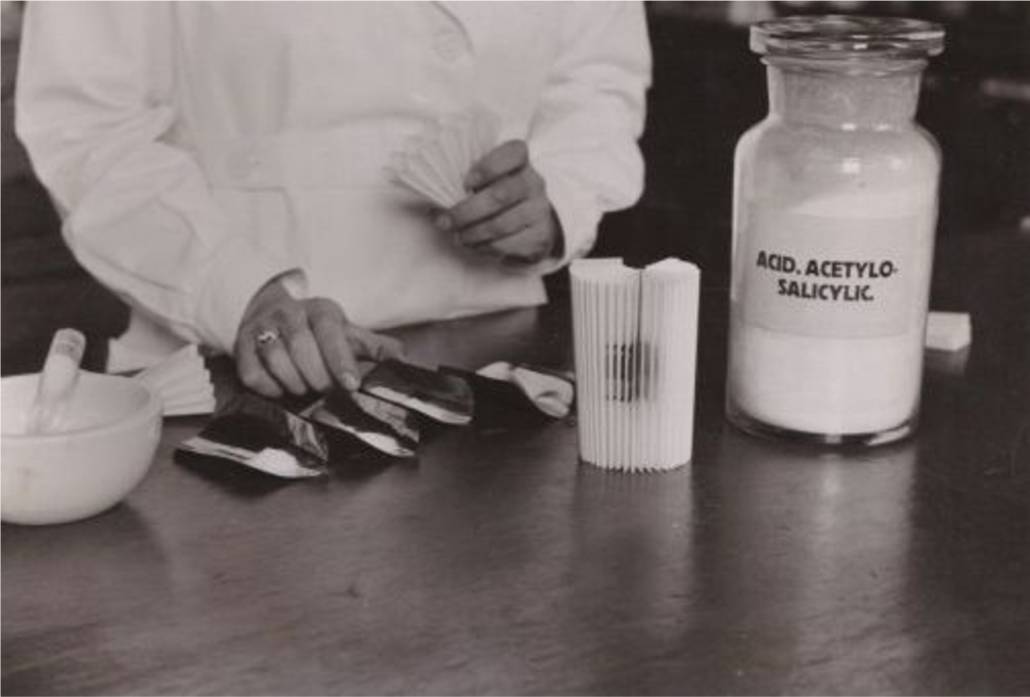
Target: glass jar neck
[[874, 97]]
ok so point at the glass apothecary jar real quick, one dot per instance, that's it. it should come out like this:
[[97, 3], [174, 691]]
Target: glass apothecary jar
[[835, 209]]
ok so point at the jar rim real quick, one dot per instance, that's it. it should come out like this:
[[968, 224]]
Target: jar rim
[[845, 37]]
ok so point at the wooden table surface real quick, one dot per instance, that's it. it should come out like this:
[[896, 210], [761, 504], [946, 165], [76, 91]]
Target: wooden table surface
[[496, 563]]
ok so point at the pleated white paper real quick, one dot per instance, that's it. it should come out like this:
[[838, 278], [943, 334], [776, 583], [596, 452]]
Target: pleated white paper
[[434, 163], [635, 335], [183, 383]]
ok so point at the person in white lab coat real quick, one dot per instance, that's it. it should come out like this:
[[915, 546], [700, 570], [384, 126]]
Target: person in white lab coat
[[221, 166]]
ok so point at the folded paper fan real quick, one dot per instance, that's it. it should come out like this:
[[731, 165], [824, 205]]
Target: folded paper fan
[[183, 383], [635, 339], [434, 163]]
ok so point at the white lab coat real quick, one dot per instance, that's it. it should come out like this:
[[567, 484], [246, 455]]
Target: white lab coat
[[198, 150]]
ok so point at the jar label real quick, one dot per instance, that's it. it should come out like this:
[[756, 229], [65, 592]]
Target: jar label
[[820, 275]]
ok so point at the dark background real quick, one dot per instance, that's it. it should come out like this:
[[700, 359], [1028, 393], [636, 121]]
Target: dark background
[[708, 89]]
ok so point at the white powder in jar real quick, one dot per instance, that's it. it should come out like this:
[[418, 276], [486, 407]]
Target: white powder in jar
[[803, 359], [825, 386]]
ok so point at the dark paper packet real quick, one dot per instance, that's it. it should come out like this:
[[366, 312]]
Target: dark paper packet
[[385, 427], [498, 401], [551, 391], [297, 437], [263, 435], [443, 397]]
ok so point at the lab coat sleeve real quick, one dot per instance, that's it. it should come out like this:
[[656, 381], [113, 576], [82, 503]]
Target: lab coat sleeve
[[95, 104], [583, 138]]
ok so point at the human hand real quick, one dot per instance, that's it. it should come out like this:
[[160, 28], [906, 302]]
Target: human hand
[[508, 215], [298, 346]]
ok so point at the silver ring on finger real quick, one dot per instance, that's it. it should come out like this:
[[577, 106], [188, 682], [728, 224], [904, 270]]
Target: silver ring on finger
[[267, 337]]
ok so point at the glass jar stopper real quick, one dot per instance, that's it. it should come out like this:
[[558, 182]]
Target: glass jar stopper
[[841, 37]]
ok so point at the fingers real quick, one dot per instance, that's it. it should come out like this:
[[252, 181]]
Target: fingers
[[488, 202], [313, 348], [528, 246], [304, 350], [376, 347], [514, 220], [500, 180], [279, 364], [505, 159], [250, 368], [331, 332], [251, 371], [509, 216]]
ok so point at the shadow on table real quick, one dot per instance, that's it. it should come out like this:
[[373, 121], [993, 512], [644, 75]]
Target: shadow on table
[[116, 544]]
